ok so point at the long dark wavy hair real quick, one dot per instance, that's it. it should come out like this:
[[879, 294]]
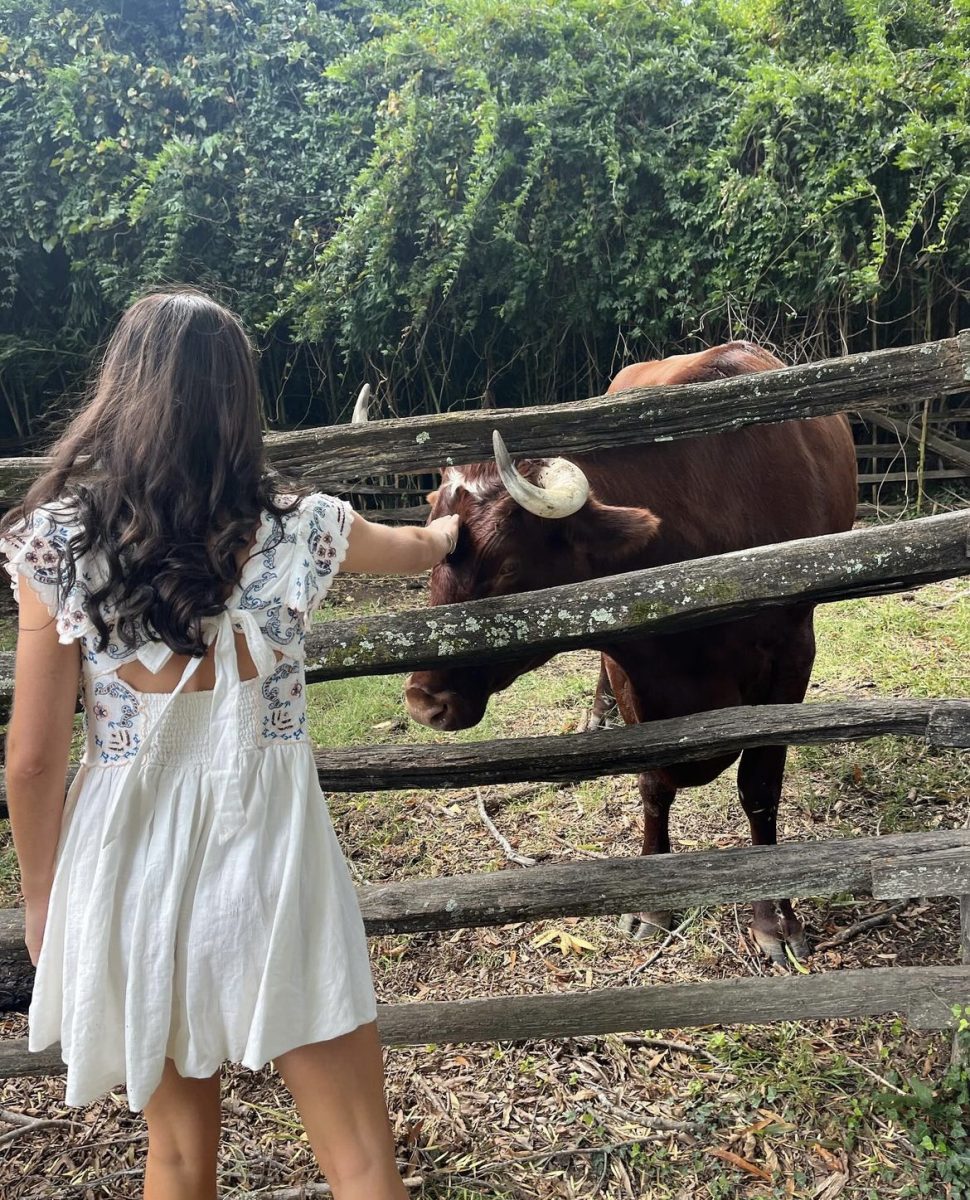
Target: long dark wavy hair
[[165, 469]]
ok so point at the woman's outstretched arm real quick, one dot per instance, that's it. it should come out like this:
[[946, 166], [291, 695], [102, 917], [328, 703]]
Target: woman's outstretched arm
[[398, 550]]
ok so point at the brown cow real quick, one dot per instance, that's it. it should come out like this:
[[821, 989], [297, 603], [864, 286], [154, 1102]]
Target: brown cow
[[647, 506]]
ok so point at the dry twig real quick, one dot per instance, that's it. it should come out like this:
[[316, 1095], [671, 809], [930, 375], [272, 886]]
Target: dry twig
[[514, 1160], [522, 859], [671, 936], [873, 922], [668, 1044], [85, 1184], [646, 1120], [309, 1191], [24, 1124], [304, 1192]]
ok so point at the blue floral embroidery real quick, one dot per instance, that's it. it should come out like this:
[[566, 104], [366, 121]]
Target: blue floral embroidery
[[254, 594], [113, 711], [36, 550], [284, 718], [283, 634]]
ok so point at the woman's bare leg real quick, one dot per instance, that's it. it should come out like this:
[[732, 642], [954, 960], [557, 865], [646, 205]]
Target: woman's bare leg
[[184, 1119], [338, 1089]]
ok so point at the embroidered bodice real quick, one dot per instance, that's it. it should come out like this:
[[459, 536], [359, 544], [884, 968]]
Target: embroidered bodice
[[284, 579]]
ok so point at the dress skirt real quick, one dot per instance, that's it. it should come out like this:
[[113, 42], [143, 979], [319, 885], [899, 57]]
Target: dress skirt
[[162, 940]]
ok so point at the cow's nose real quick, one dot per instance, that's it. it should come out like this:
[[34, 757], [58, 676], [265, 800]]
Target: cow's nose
[[426, 707], [430, 708]]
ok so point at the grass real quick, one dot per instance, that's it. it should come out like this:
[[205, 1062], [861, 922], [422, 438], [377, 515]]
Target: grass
[[343, 712], [916, 644]]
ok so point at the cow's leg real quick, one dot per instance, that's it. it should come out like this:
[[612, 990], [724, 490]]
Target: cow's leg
[[657, 792], [760, 777], [604, 702]]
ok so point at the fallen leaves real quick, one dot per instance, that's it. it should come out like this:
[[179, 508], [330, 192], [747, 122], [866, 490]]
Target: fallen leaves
[[742, 1164], [795, 961], [837, 1165], [769, 1120], [568, 942]]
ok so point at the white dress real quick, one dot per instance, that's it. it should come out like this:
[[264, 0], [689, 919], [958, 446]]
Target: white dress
[[201, 908]]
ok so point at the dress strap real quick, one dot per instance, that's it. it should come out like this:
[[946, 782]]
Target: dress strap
[[224, 751]]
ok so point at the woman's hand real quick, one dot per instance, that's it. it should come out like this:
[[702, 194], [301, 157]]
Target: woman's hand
[[35, 921], [447, 528]]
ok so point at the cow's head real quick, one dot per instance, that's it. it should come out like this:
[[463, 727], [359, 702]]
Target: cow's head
[[521, 529]]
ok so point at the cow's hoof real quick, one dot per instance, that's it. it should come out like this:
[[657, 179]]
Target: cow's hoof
[[799, 943], [645, 925], [772, 942], [770, 945], [594, 720]]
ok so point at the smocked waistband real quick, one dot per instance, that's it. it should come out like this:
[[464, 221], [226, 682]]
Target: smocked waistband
[[119, 717]]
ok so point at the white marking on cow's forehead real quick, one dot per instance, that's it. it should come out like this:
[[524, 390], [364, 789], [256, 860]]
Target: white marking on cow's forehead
[[454, 478]]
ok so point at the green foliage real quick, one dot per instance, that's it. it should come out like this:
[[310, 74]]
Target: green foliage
[[937, 1122], [461, 196]]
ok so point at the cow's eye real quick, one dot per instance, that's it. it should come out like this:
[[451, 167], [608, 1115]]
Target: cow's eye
[[508, 571]]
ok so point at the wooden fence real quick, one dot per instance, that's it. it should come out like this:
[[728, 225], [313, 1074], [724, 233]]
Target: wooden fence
[[345, 454], [598, 613], [888, 867], [898, 455]]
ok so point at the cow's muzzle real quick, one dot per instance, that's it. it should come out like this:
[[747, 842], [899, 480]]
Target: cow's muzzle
[[432, 703]]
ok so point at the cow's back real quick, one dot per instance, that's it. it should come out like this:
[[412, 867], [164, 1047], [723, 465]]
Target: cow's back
[[729, 491]]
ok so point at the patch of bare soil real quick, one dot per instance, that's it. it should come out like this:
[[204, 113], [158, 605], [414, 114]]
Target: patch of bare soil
[[380, 593]]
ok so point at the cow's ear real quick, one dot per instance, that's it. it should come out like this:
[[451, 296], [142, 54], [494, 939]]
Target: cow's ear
[[432, 498], [612, 535]]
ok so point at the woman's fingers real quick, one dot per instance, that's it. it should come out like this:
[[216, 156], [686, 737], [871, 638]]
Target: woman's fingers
[[448, 527], [35, 921]]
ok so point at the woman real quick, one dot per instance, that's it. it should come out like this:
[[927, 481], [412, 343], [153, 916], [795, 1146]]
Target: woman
[[189, 905]]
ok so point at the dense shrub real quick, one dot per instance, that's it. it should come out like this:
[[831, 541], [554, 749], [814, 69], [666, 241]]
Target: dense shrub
[[456, 196]]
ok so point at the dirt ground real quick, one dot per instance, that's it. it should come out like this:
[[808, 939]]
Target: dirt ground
[[856, 1109]]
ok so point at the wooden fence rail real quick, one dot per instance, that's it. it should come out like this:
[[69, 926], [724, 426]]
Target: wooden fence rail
[[660, 600], [910, 476], [925, 996], [898, 458], [944, 448], [886, 866], [659, 881], [555, 758], [340, 454]]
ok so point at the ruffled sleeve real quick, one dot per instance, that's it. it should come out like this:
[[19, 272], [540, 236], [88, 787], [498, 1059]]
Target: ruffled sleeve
[[321, 545], [36, 549]]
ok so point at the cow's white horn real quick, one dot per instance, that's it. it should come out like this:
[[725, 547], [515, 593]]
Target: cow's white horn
[[562, 489], [360, 416]]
